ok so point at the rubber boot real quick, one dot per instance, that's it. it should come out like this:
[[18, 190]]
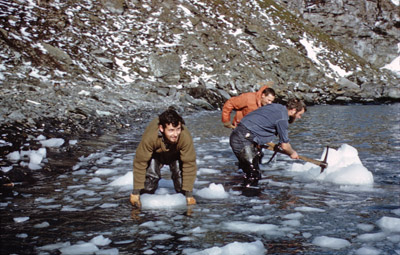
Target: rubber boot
[[249, 161], [153, 176], [176, 175]]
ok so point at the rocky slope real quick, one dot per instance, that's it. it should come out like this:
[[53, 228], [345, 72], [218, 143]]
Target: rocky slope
[[369, 28], [76, 67]]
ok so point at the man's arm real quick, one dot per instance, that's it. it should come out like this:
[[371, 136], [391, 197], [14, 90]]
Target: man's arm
[[189, 167], [287, 148], [282, 129], [143, 155], [188, 158], [234, 103]]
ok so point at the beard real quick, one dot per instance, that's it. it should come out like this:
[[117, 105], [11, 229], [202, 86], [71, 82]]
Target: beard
[[291, 119]]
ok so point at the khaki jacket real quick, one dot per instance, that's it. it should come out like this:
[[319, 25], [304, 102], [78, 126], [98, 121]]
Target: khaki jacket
[[152, 143], [242, 104]]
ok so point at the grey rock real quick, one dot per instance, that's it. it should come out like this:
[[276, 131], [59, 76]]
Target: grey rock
[[198, 102], [114, 6], [58, 53], [166, 67]]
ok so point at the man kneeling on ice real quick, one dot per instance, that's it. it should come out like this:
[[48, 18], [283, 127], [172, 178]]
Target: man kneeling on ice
[[166, 141], [260, 127]]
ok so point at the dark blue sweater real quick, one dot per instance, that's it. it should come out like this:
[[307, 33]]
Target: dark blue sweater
[[266, 122]]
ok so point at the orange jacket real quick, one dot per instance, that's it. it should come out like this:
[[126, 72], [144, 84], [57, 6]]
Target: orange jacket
[[242, 104]]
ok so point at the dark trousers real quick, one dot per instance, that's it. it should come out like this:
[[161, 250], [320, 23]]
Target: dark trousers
[[247, 152], [153, 175]]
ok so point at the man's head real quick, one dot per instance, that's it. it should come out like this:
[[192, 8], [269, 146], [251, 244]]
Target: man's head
[[170, 125], [267, 96], [295, 108]]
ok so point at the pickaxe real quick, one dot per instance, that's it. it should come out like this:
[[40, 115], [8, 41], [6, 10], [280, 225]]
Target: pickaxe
[[276, 148]]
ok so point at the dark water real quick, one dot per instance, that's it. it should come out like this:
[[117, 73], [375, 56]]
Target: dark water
[[79, 205]]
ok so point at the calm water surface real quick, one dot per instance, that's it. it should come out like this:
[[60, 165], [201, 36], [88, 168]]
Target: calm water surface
[[80, 204]]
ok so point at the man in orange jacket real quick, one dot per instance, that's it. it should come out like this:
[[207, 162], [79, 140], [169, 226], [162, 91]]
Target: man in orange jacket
[[246, 103]]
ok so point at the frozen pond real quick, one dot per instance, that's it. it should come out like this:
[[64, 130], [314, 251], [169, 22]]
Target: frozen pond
[[352, 208]]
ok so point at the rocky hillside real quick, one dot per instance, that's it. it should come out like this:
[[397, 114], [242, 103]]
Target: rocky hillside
[[72, 61], [369, 28]]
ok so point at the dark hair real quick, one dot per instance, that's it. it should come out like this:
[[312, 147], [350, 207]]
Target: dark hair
[[297, 104], [170, 116], [269, 91]]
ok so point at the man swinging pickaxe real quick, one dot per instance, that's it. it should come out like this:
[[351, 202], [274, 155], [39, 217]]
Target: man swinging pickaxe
[[277, 148]]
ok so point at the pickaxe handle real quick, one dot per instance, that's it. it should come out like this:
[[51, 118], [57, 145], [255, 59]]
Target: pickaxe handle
[[322, 164]]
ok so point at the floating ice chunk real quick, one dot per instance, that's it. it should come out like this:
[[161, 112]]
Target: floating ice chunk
[[44, 200], [308, 209], [53, 142], [344, 167], [293, 223], [56, 246], [365, 227], [67, 208], [224, 140], [372, 237], [20, 219], [36, 157], [95, 180], [160, 237], [331, 242], [84, 192], [14, 156], [6, 169], [103, 160], [84, 92], [246, 227], [214, 191], [112, 251], [389, 224], [396, 211], [127, 179], [294, 216], [197, 230], [4, 204], [155, 225], [235, 248], [202, 171], [73, 142], [394, 238], [80, 172], [108, 205], [104, 171], [367, 251], [34, 166], [22, 235], [116, 161], [162, 201], [79, 249], [44, 224], [41, 138], [100, 240]]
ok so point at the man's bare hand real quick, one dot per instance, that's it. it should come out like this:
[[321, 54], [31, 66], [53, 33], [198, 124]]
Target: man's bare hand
[[228, 124], [190, 201], [294, 155], [135, 200]]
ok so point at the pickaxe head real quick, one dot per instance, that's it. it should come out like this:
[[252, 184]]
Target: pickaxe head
[[324, 164]]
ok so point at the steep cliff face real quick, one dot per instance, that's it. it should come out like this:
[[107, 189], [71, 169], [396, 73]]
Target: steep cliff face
[[369, 28], [77, 60]]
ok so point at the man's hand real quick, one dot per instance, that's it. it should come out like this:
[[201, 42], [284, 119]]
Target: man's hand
[[287, 148], [294, 155], [190, 201], [135, 200], [228, 124]]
